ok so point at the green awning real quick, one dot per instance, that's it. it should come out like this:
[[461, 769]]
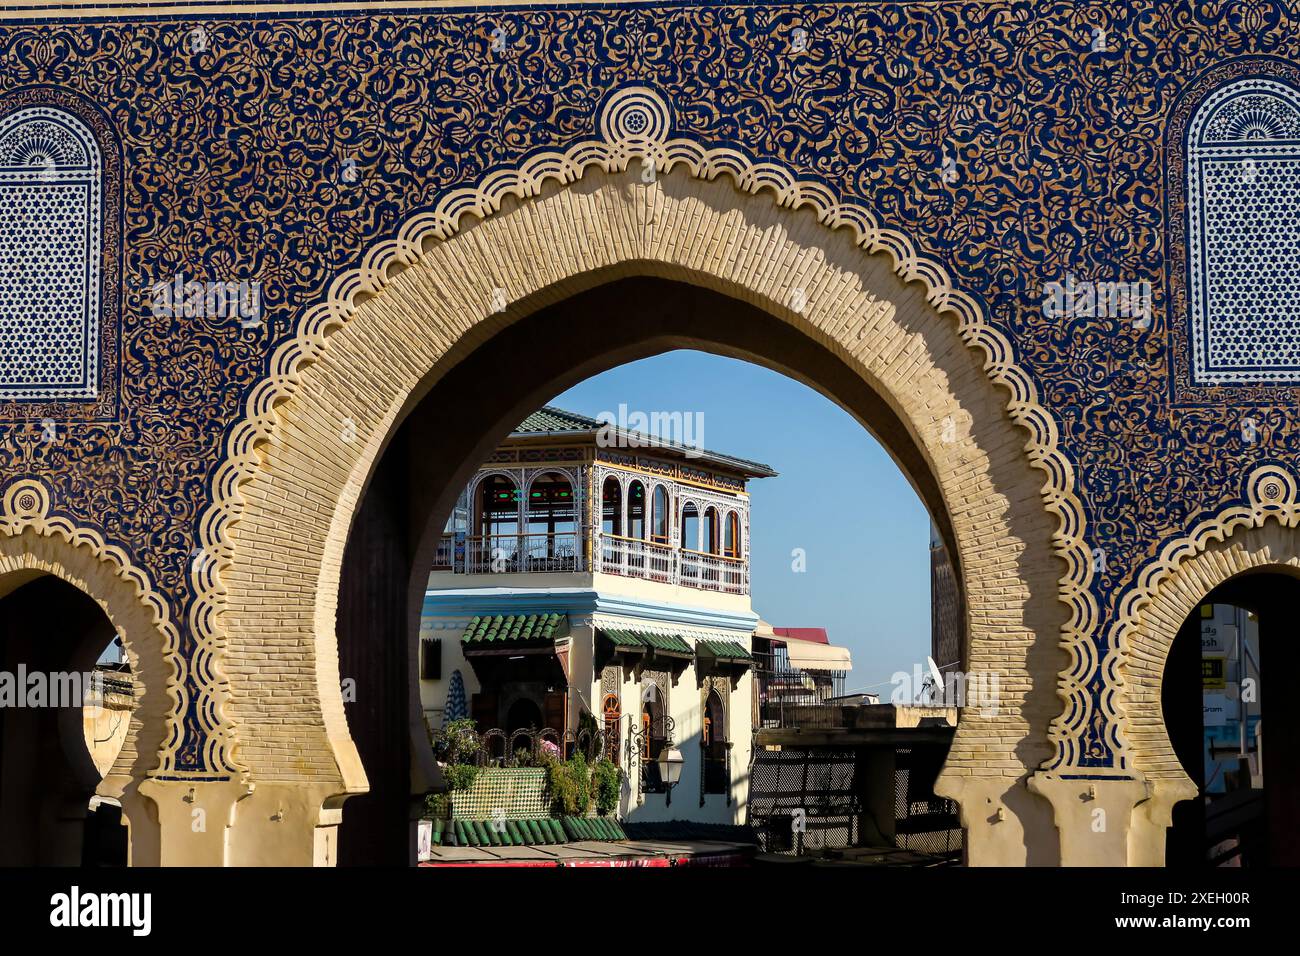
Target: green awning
[[515, 629], [625, 640], [643, 641], [726, 651]]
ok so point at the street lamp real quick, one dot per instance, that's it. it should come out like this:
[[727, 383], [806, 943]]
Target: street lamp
[[670, 765]]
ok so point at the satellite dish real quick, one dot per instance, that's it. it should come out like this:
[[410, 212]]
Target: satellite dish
[[936, 692]]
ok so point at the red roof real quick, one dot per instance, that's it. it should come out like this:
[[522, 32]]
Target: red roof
[[815, 634]]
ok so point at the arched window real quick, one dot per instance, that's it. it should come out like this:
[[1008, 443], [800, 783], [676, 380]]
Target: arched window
[[660, 516], [611, 507], [713, 745], [51, 244], [636, 523], [495, 545], [551, 541], [496, 508], [731, 538], [690, 527], [551, 505], [654, 737], [711, 543], [1243, 249]]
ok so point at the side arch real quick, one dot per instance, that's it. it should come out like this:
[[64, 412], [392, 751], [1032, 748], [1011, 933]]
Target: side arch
[[34, 542], [1262, 534], [564, 225]]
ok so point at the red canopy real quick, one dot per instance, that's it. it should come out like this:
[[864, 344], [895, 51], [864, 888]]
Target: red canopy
[[816, 635]]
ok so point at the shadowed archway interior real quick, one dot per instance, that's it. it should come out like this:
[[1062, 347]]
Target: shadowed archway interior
[[47, 777], [1257, 825]]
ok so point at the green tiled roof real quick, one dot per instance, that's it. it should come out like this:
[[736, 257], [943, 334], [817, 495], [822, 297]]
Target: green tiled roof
[[531, 831], [515, 629], [724, 650], [549, 420], [643, 641], [624, 638], [552, 419], [669, 643]]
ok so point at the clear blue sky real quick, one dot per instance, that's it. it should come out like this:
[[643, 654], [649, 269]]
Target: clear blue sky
[[838, 496]]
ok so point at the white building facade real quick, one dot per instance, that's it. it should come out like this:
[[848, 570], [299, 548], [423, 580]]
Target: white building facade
[[592, 589]]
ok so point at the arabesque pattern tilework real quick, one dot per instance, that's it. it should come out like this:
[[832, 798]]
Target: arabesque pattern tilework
[[1003, 138]]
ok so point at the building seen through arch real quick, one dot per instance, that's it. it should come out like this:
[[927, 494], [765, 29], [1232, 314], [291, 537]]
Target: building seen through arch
[[591, 576]]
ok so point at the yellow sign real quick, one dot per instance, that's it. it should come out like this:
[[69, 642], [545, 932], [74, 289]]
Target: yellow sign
[[1214, 673]]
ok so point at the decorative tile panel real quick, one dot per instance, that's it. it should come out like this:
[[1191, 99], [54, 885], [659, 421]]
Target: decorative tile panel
[[51, 235], [1244, 228]]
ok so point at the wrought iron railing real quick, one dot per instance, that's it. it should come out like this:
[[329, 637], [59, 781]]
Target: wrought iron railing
[[713, 572], [499, 748], [792, 698], [635, 558], [445, 557], [611, 554], [514, 553]]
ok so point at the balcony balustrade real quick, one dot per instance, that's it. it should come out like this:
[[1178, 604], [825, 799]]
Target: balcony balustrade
[[610, 554]]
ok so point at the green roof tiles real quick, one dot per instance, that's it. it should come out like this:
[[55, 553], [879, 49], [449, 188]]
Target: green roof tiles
[[624, 639], [644, 641], [550, 420], [515, 629], [669, 644], [723, 650]]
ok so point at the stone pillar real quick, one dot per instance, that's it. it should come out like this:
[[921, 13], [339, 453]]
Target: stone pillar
[[1152, 819], [193, 819], [280, 824], [140, 817], [1094, 816], [1005, 824]]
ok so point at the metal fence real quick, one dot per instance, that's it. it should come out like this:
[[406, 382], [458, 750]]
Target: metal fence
[[786, 696], [812, 801], [924, 821], [802, 801]]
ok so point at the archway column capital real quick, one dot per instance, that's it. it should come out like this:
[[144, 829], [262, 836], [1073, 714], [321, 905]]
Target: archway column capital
[[193, 818], [1094, 816]]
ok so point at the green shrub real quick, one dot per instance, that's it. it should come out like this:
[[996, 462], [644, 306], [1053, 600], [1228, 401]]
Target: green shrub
[[460, 776], [568, 784], [458, 742], [606, 781], [581, 781], [436, 806]]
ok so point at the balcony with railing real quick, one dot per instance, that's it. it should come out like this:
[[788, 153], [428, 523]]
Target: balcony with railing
[[610, 554], [790, 697]]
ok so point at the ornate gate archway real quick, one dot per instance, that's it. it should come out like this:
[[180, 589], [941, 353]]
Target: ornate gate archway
[[35, 541], [1263, 535], [636, 203]]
